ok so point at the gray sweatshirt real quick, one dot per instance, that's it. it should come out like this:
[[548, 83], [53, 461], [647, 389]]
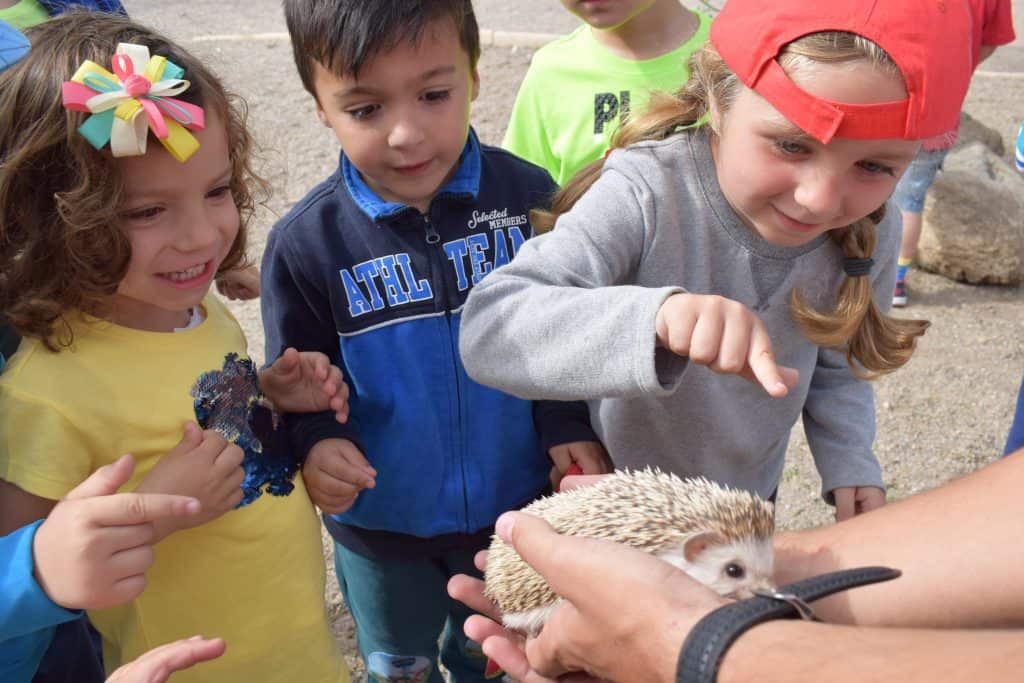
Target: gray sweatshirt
[[573, 317]]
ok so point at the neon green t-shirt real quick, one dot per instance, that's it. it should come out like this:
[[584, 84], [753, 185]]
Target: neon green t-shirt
[[576, 92], [24, 13], [254, 576]]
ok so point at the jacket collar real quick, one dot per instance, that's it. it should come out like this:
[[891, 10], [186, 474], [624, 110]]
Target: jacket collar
[[465, 182]]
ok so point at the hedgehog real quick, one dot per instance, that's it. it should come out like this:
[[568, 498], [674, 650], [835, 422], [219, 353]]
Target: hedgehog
[[720, 536]]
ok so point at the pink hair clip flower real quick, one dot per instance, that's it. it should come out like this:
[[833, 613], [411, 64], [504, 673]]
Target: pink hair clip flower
[[136, 98]]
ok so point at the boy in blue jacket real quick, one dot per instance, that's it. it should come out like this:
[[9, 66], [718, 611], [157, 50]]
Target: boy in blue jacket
[[91, 552], [372, 268]]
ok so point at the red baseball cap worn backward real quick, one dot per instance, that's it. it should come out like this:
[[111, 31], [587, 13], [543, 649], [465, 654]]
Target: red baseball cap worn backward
[[929, 40]]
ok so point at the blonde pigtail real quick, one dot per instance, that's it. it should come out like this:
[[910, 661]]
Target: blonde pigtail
[[875, 343]]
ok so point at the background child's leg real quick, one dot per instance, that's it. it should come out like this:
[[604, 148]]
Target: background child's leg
[[399, 608], [462, 657], [909, 196]]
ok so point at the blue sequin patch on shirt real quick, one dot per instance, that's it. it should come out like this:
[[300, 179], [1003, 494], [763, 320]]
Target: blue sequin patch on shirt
[[229, 402]]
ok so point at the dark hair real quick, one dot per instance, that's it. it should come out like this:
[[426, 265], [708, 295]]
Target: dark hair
[[343, 34], [61, 245]]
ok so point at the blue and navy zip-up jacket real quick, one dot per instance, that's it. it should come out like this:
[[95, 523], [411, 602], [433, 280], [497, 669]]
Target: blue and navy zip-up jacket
[[27, 616], [58, 6], [379, 287]]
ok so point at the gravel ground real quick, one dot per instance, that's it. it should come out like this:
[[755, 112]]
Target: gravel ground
[[944, 414]]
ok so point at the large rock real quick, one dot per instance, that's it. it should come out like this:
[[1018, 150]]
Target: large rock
[[974, 219]]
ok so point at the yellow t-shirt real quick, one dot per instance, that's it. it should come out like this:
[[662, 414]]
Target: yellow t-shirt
[[254, 576], [24, 13]]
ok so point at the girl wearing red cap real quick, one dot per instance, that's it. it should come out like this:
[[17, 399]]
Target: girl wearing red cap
[[738, 228]]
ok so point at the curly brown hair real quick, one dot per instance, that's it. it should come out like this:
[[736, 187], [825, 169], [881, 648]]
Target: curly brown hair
[[61, 245], [874, 343]]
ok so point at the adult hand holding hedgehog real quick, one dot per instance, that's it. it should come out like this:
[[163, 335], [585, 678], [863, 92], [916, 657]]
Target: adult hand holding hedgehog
[[626, 614]]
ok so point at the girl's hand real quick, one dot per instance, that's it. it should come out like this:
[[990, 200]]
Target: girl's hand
[[855, 500], [305, 382], [204, 466], [589, 457], [724, 335], [94, 548], [240, 285]]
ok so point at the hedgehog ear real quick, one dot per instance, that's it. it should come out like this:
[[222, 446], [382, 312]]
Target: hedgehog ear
[[697, 543]]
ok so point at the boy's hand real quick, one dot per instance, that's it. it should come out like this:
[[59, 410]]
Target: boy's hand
[[305, 382], [203, 465], [590, 457], [157, 665], [240, 285], [855, 500], [95, 546], [335, 472], [724, 335]]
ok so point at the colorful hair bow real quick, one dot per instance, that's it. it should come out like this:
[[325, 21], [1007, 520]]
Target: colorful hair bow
[[138, 98]]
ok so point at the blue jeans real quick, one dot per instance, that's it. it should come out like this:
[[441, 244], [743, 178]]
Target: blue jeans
[[914, 183], [404, 618]]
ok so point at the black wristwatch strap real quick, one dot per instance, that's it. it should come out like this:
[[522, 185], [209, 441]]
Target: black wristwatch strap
[[705, 645]]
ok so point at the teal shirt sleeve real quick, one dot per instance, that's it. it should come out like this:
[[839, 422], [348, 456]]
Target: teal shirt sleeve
[[27, 616]]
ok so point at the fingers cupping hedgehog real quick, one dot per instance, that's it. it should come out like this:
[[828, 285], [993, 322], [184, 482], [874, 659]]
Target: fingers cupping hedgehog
[[722, 537]]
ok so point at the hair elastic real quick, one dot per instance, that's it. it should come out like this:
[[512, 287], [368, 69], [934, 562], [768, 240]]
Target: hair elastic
[[857, 267]]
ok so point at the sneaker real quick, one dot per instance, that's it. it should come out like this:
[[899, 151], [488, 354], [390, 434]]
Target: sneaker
[[899, 295]]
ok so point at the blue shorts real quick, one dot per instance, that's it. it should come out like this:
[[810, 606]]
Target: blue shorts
[[913, 186]]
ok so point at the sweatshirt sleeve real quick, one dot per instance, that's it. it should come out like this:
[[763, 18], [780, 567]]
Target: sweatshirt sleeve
[[567, 322], [298, 314], [839, 413], [839, 421], [25, 608]]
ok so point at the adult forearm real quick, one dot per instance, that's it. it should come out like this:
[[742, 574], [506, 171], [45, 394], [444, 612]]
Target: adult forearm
[[957, 546], [799, 652]]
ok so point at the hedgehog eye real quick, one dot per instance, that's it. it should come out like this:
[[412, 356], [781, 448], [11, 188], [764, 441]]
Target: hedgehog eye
[[734, 571]]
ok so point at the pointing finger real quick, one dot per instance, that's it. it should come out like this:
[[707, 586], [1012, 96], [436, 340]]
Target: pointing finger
[[762, 363], [104, 481], [125, 509]]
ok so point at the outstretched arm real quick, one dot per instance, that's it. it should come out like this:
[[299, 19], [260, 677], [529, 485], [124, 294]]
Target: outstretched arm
[[627, 615], [958, 547]]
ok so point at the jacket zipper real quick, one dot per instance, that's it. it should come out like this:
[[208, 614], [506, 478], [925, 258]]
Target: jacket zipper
[[433, 238], [432, 235]]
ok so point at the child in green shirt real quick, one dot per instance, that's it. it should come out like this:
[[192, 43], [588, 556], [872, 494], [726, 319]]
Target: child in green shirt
[[580, 87]]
